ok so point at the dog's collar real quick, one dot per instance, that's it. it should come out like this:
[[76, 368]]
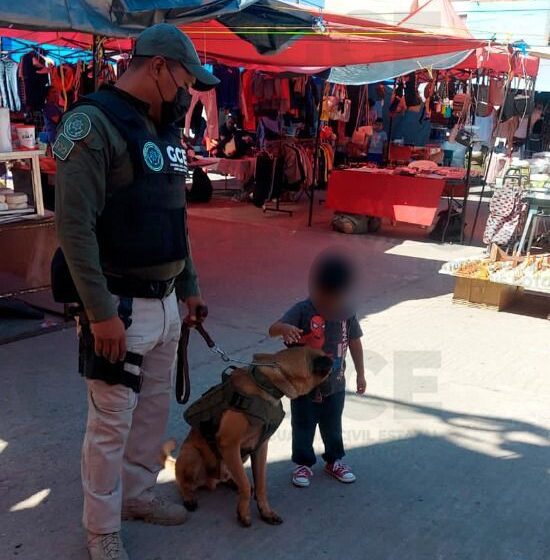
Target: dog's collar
[[264, 383]]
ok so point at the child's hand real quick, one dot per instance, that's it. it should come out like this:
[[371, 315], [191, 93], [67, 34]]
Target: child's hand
[[361, 384], [291, 334]]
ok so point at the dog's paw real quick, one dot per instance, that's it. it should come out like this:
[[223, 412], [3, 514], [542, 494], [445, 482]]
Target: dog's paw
[[231, 484], [190, 505], [271, 517], [244, 519]]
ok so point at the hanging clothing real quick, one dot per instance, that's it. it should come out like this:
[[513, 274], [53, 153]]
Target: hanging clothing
[[8, 85], [228, 89], [268, 129], [208, 99], [35, 80], [247, 100]]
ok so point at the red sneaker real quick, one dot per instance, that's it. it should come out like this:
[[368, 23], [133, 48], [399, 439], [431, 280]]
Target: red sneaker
[[340, 471], [301, 476]]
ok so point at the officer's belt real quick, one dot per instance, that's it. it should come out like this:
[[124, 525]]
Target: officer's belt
[[132, 287]]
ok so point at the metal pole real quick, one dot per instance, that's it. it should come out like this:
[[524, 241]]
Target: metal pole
[[316, 156], [96, 55], [466, 193]]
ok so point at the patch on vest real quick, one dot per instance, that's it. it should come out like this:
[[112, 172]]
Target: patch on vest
[[77, 126], [62, 147], [153, 156]]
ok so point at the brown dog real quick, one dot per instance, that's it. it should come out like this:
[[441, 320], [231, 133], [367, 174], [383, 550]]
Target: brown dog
[[234, 420]]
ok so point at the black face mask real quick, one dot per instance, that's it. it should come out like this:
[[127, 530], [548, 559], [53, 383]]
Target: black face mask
[[172, 112]]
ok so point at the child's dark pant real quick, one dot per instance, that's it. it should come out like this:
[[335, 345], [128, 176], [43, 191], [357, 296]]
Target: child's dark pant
[[306, 415]]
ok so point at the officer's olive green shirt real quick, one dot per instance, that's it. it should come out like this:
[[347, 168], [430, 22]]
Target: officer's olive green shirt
[[99, 161]]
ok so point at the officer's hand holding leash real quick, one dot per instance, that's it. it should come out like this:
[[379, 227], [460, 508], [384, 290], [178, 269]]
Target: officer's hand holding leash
[[195, 308], [110, 339]]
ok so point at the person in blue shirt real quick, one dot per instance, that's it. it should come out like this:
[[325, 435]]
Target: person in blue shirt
[[377, 143], [52, 113], [326, 322]]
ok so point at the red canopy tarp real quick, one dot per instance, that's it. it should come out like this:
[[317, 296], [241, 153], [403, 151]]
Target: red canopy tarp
[[347, 41], [499, 60]]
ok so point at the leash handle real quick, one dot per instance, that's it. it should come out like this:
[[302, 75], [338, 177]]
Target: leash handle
[[207, 338]]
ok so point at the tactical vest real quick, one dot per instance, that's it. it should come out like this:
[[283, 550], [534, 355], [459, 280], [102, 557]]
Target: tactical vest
[[143, 224], [205, 414]]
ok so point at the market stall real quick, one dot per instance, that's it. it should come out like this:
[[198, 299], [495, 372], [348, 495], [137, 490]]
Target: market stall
[[385, 194], [401, 194], [496, 281]]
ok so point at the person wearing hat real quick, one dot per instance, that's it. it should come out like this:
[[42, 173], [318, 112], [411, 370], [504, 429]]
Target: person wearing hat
[[121, 222]]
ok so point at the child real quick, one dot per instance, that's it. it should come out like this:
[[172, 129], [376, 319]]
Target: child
[[377, 143], [324, 321]]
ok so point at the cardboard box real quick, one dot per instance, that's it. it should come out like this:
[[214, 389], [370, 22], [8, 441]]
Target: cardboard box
[[484, 293]]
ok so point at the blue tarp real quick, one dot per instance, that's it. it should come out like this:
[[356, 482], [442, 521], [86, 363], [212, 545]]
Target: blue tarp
[[111, 18], [378, 72]]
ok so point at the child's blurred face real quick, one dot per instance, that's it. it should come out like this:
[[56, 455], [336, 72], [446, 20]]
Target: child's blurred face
[[378, 126], [328, 302]]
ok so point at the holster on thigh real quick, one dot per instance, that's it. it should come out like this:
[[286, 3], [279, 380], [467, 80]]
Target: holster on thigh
[[92, 366]]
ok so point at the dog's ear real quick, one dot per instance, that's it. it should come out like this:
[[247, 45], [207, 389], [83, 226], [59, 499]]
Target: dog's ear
[[321, 365]]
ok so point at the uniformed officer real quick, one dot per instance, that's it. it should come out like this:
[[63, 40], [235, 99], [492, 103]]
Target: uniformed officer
[[121, 220]]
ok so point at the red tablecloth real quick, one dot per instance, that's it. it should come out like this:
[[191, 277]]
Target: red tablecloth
[[404, 199]]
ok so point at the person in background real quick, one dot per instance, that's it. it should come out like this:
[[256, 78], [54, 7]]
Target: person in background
[[52, 113], [233, 142], [377, 143], [373, 113], [325, 321], [198, 124], [380, 100], [227, 133]]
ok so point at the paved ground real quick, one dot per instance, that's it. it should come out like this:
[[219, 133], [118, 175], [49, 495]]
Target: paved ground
[[450, 447]]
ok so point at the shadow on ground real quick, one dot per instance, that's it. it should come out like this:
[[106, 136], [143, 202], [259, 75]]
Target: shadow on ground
[[419, 496]]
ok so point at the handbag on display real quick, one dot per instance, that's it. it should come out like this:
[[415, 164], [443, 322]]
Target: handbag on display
[[361, 135], [347, 110], [483, 106], [506, 212], [496, 92], [464, 137], [338, 105], [518, 103], [461, 104]]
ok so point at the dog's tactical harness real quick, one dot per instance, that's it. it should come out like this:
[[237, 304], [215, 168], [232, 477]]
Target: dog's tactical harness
[[205, 414]]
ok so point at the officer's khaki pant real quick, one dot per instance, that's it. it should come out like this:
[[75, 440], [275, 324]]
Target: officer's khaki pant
[[125, 431]]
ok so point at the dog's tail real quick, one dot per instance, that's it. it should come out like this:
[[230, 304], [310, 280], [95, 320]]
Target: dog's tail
[[166, 457]]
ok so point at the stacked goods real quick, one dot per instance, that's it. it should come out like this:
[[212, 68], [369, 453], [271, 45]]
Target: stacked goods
[[10, 200], [531, 272], [17, 201]]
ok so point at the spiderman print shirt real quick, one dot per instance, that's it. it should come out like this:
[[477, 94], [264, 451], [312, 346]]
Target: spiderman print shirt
[[331, 336]]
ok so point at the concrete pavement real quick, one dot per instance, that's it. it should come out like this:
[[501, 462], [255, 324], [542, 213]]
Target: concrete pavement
[[450, 447]]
